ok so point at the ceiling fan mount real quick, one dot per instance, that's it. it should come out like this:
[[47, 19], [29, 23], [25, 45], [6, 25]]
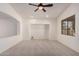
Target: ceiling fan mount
[[41, 6]]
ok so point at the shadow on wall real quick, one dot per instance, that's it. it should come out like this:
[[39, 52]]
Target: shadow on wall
[[8, 26]]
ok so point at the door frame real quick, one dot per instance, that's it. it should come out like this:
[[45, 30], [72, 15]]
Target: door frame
[[39, 24]]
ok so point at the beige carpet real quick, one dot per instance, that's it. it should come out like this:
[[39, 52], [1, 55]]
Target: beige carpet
[[39, 48]]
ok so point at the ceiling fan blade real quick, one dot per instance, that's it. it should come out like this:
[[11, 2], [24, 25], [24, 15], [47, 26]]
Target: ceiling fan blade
[[44, 10], [36, 9], [32, 4], [48, 5]]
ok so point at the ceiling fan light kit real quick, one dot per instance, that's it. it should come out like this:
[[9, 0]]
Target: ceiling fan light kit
[[40, 8]]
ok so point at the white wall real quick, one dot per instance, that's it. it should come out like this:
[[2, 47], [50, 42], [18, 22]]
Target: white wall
[[27, 27], [6, 43], [71, 42], [53, 29], [46, 32]]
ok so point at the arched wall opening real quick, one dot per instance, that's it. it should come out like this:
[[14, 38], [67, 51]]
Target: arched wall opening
[[8, 26]]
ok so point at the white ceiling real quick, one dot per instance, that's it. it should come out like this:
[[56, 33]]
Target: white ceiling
[[5, 16], [27, 11]]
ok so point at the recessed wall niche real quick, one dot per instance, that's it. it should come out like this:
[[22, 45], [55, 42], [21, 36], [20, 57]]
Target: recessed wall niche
[[8, 26], [68, 26]]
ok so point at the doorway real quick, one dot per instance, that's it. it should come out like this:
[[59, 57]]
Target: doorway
[[39, 31]]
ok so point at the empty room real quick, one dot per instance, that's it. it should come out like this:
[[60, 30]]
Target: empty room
[[39, 29]]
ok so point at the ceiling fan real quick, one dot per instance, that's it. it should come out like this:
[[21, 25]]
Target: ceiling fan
[[41, 6]]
